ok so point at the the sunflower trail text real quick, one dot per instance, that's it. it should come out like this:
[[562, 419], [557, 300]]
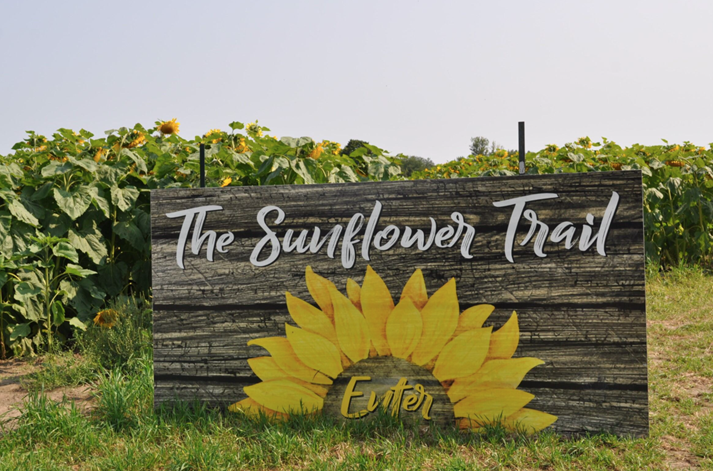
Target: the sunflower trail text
[[390, 236]]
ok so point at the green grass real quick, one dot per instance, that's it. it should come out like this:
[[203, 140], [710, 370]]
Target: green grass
[[124, 432]]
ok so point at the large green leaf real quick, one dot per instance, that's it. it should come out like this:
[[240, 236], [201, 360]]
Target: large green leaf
[[91, 242], [128, 231], [57, 313], [55, 168], [56, 224], [6, 180], [124, 198], [17, 208], [77, 270], [42, 192], [141, 274], [87, 164], [64, 249], [112, 277], [24, 290], [99, 201], [140, 164], [143, 222], [75, 322], [20, 330], [74, 203]]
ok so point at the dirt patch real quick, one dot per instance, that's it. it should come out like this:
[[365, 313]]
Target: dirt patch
[[676, 455], [13, 395]]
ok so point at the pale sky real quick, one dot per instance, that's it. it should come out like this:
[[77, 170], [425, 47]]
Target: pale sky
[[413, 77]]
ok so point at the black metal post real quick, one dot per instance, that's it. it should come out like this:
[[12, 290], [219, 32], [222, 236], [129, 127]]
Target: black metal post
[[202, 165], [521, 141]]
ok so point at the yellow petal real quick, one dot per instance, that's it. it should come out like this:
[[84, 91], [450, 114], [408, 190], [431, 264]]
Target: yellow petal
[[354, 292], [504, 342], [253, 409], [529, 421], [403, 328], [315, 351], [473, 317], [287, 360], [494, 374], [266, 369], [492, 404], [376, 304], [319, 289], [440, 318], [463, 355], [310, 318], [352, 330], [415, 289], [284, 396]]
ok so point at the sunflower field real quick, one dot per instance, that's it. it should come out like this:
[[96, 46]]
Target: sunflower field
[[74, 208], [74, 211], [677, 179]]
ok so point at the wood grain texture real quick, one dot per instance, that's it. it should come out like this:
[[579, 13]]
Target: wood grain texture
[[583, 314]]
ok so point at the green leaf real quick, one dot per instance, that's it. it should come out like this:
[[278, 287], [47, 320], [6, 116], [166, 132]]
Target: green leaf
[[20, 330], [69, 290], [140, 164], [87, 164], [236, 125], [64, 249], [124, 198], [57, 313], [359, 152], [301, 169], [6, 180], [77, 270], [75, 322], [42, 192], [91, 242], [112, 277], [20, 212], [128, 231], [266, 166], [56, 224], [143, 222], [24, 290], [55, 168], [73, 203], [3, 278]]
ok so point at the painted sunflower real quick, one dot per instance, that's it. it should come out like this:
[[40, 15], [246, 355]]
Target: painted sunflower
[[473, 364]]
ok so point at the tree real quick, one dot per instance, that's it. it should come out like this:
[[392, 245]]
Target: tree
[[479, 145], [482, 146], [411, 164], [353, 145]]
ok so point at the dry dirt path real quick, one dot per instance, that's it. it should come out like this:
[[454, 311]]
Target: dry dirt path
[[12, 393]]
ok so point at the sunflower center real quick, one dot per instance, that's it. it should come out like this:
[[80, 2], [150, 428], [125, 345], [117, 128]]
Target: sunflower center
[[388, 385]]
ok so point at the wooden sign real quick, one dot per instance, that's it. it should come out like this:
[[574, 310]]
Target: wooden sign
[[464, 302]]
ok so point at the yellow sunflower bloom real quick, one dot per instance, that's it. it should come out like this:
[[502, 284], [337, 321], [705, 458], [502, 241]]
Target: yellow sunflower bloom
[[106, 318], [227, 181], [98, 154], [137, 141], [169, 127], [473, 365], [316, 152], [253, 128]]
